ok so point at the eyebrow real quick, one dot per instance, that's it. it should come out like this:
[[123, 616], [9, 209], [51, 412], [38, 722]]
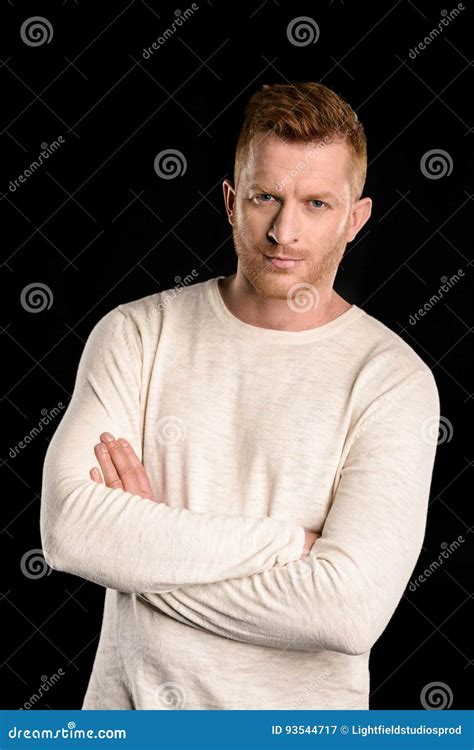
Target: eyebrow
[[310, 196]]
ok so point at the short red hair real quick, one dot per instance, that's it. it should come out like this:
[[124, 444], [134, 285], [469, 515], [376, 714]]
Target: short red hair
[[303, 112]]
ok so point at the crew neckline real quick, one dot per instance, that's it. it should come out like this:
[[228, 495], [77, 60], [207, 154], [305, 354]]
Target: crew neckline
[[270, 335]]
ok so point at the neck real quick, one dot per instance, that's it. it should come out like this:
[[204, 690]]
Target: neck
[[243, 301]]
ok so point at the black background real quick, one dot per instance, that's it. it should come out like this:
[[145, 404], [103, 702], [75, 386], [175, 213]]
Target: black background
[[98, 226]]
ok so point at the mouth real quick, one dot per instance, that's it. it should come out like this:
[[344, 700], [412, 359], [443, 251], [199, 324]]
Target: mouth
[[282, 262]]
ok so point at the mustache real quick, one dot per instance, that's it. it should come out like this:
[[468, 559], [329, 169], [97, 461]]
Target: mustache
[[272, 252], [284, 257]]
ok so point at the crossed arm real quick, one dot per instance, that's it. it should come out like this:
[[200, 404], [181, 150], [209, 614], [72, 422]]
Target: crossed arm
[[342, 595], [340, 598], [122, 469], [119, 538]]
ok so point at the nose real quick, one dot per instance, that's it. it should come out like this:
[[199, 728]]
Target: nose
[[284, 230]]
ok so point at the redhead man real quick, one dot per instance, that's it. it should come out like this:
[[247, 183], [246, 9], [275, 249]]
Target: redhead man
[[263, 449]]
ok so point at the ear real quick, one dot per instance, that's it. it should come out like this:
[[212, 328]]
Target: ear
[[229, 197], [359, 216]]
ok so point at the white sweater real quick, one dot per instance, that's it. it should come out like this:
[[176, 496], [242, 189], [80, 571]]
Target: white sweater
[[248, 435]]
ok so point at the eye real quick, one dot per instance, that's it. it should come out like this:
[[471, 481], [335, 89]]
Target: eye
[[322, 204], [263, 197]]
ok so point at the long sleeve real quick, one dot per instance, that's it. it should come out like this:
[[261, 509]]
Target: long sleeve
[[344, 596], [120, 540]]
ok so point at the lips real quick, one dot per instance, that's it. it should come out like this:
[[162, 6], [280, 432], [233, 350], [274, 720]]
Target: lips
[[279, 262]]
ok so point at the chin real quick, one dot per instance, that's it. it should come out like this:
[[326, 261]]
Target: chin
[[273, 284]]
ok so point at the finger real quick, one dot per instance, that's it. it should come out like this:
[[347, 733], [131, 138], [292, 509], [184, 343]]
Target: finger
[[95, 475], [142, 476], [107, 466], [122, 465]]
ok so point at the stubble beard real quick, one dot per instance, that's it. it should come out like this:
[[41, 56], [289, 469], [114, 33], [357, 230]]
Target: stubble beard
[[318, 270]]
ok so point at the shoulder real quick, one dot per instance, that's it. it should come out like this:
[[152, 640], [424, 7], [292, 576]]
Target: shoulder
[[167, 303], [135, 325], [390, 370], [386, 347]]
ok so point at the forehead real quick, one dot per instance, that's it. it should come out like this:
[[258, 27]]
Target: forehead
[[270, 158]]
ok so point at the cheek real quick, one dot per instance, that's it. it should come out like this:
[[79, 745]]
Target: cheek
[[241, 217], [250, 222], [326, 225], [337, 223]]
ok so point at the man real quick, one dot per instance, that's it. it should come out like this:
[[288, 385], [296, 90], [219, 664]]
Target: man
[[263, 449]]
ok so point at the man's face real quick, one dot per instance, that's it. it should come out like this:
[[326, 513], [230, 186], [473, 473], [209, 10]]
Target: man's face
[[293, 201]]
